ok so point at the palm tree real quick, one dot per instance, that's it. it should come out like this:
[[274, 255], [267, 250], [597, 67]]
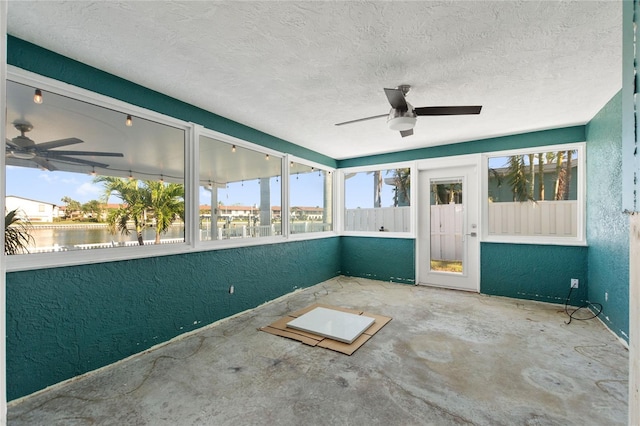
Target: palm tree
[[167, 203], [560, 177], [518, 178], [540, 176], [402, 181], [134, 207], [16, 233]]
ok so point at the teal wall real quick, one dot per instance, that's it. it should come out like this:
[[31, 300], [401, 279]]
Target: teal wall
[[63, 322], [535, 272], [607, 225], [33, 58], [525, 140], [385, 259]]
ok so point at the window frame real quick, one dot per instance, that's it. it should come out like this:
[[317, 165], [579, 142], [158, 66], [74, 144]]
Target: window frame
[[579, 239], [339, 219], [192, 133], [286, 199]]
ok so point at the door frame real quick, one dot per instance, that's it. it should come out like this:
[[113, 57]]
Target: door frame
[[443, 163]]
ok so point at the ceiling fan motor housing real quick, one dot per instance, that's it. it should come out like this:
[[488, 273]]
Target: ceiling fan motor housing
[[402, 120]]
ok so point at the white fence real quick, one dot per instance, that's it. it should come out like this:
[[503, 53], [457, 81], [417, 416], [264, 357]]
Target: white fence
[[446, 231], [392, 219], [547, 218]]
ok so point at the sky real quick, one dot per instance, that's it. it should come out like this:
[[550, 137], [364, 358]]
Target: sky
[[306, 189]]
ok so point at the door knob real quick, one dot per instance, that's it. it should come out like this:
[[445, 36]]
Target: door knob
[[473, 234]]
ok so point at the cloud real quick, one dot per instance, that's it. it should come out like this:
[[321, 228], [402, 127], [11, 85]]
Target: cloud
[[88, 189]]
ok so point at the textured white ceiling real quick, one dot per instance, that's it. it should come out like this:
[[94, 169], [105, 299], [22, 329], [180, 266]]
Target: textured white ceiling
[[293, 69]]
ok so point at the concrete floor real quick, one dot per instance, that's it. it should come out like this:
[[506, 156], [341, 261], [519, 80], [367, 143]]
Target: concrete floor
[[446, 358]]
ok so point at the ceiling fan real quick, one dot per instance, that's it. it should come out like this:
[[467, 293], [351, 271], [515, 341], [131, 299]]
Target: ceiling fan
[[403, 115], [24, 148]]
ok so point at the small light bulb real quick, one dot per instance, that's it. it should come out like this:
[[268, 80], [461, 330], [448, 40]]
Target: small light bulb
[[233, 148], [129, 121], [130, 175], [93, 171], [267, 157], [37, 97]]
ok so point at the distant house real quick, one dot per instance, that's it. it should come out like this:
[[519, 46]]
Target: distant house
[[33, 210]]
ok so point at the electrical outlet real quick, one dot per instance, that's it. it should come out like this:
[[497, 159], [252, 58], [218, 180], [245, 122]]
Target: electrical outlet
[[574, 283]]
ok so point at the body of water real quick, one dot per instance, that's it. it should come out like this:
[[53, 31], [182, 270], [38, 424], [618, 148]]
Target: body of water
[[70, 236]]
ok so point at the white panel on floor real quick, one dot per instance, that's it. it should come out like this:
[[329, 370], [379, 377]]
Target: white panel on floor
[[336, 325]]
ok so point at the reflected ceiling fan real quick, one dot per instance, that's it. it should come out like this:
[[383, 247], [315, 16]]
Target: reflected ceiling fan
[[403, 115], [24, 148]]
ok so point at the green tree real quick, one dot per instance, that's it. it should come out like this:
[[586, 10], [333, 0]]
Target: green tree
[[134, 208], [93, 209], [72, 207], [16, 233], [166, 203]]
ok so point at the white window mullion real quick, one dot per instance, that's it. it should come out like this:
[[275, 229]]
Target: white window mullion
[[192, 185]]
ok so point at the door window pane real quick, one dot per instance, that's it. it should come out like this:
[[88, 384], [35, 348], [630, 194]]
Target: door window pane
[[447, 225]]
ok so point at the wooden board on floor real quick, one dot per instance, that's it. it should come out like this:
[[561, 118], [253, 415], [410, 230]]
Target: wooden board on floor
[[279, 328]]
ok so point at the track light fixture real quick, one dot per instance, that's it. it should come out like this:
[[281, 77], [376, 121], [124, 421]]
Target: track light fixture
[[233, 148], [37, 97], [266, 157], [128, 121]]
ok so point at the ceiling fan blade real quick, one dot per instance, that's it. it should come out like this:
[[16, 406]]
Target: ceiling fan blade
[[58, 143], [66, 159], [405, 133], [11, 143], [448, 110], [96, 153], [45, 164], [396, 99], [361, 119]]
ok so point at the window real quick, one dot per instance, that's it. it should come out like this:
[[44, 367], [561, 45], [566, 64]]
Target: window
[[536, 195], [311, 197], [84, 179], [240, 192], [91, 179], [377, 200]]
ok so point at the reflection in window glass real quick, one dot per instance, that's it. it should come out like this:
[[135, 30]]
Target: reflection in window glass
[[80, 178], [311, 199], [240, 192], [534, 194], [378, 200]]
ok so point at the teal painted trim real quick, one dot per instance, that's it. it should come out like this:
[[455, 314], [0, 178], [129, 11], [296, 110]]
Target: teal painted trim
[[385, 259], [63, 322], [30, 57], [526, 140], [534, 272], [607, 225]]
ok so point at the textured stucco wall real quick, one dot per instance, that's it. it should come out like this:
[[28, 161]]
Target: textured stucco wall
[[386, 259], [536, 272], [63, 322], [607, 225]]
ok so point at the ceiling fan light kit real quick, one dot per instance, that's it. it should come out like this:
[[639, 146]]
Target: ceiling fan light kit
[[401, 123]]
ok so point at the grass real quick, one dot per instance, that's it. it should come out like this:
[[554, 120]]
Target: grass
[[447, 266]]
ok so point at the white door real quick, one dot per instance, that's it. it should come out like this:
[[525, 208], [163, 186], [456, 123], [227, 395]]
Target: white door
[[448, 234]]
